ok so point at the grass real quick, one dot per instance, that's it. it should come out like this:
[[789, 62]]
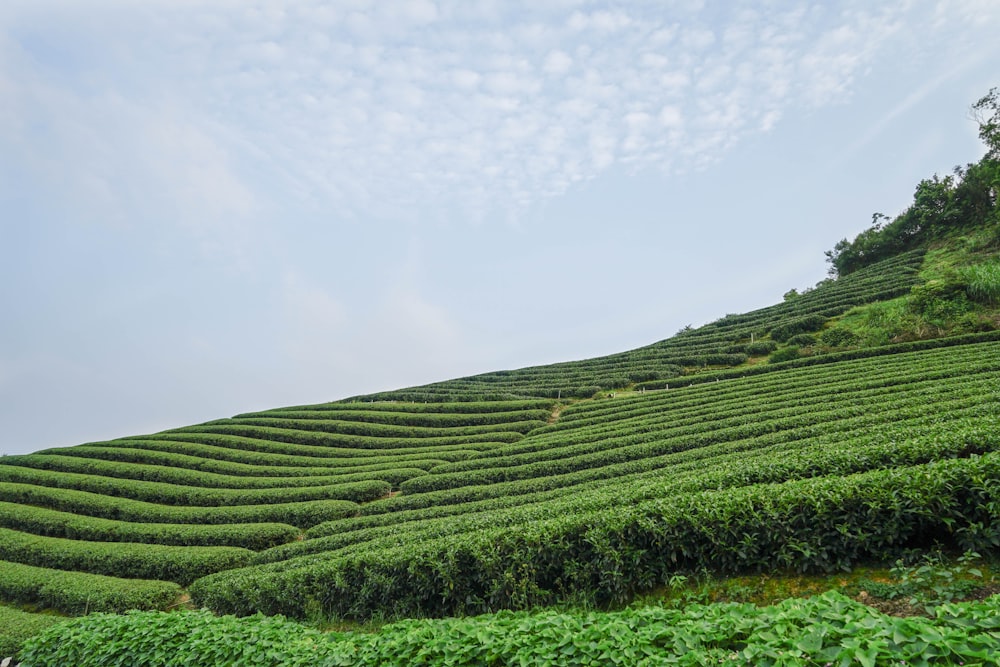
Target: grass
[[983, 282]]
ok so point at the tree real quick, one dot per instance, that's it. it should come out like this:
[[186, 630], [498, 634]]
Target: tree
[[986, 112]]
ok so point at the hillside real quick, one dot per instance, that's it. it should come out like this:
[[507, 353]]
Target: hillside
[[853, 424]]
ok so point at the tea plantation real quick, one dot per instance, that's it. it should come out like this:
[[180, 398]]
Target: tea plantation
[[512, 517]]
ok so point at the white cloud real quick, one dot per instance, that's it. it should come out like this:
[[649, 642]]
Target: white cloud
[[557, 62], [372, 108], [671, 116], [464, 78]]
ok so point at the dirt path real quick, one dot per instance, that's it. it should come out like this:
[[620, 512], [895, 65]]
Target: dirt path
[[556, 411]]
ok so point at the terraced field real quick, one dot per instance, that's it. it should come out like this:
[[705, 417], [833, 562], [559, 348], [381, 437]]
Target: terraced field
[[126, 523], [504, 492], [809, 468]]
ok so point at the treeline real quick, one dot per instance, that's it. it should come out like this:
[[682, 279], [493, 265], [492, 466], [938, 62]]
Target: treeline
[[962, 201]]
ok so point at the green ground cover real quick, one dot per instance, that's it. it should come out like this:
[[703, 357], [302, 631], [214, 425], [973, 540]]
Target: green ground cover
[[829, 629]]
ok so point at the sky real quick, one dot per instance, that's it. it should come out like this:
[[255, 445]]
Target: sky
[[215, 206]]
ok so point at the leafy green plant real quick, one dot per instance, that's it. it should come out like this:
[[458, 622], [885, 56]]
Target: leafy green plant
[[933, 582], [828, 629]]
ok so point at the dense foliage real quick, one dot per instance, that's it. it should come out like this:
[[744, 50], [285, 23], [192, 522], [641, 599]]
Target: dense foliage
[[826, 630]]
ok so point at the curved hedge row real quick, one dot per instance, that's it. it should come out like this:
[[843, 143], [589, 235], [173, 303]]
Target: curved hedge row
[[799, 383], [338, 440], [408, 418], [175, 494], [672, 423], [121, 559], [393, 475], [644, 448], [302, 515], [248, 456], [379, 430], [820, 359], [82, 593], [420, 407], [53, 523]]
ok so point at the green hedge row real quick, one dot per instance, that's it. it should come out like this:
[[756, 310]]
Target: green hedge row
[[247, 449], [983, 405], [81, 593], [53, 523], [799, 325], [692, 407], [795, 383], [401, 418], [420, 407], [174, 494], [302, 515], [186, 477], [121, 559], [867, 444], [249, 457], [377, 430], [337, 440], [813, 525]]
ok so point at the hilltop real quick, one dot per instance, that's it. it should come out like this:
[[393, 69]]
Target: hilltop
[[854, 424]]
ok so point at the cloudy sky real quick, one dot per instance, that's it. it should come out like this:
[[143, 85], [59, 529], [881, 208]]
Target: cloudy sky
[[215, 206]]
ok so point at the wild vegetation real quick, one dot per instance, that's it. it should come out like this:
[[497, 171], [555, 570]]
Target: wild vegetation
[[853, 425]]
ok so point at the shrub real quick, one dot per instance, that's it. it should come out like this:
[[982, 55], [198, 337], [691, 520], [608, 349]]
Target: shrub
[[761, 347], [784, 354], [802, 339], [838, 337]]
